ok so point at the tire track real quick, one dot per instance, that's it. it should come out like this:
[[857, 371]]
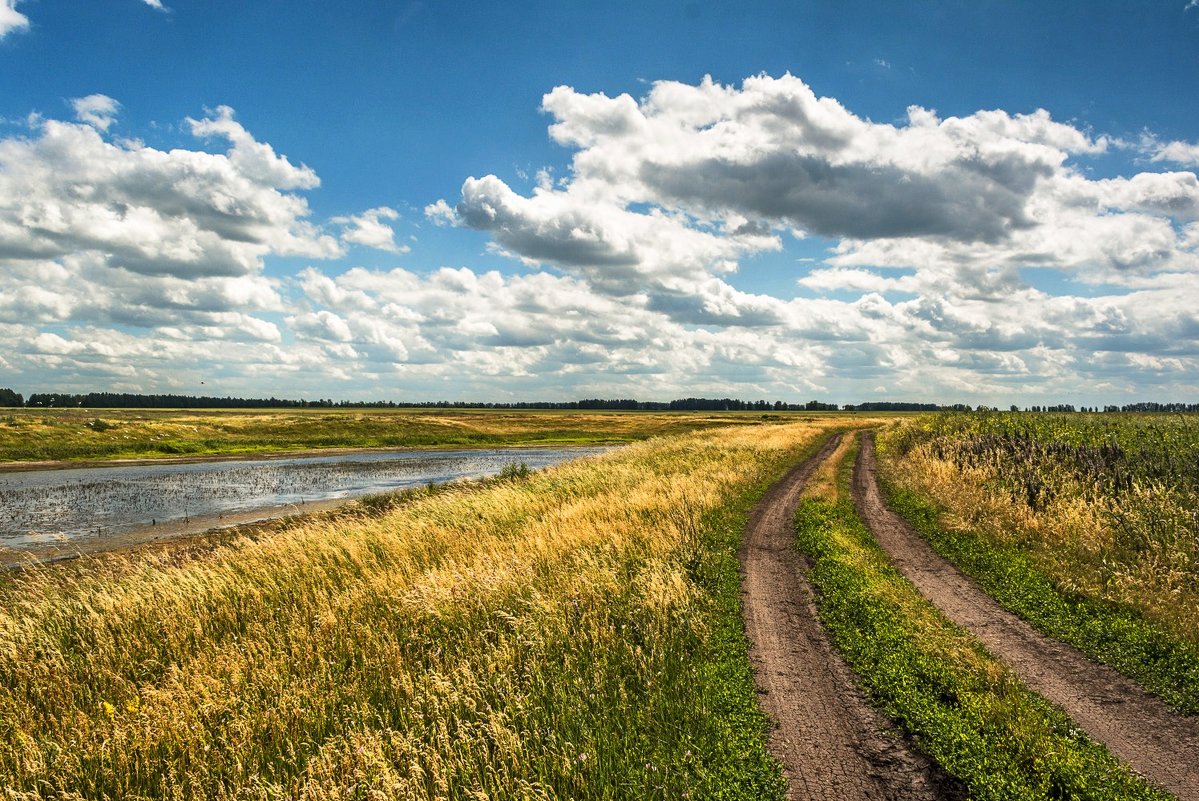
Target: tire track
[[831, 744], [1138, 728]]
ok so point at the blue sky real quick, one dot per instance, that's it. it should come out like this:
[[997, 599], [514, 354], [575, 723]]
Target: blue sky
[[981, 202]]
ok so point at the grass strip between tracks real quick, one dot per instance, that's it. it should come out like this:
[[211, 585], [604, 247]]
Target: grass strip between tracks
[[962, 706], [1111, 633]]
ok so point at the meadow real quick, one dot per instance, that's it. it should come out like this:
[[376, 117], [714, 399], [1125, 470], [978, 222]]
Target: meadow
[[1084, 524], [73, 434], [567, 633]]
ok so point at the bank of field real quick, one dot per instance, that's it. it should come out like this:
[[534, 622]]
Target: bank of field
[[573, 633], [56, 434], [1085, 525]]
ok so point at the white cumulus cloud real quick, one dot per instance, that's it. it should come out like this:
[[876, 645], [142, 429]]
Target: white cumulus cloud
[[668, 195], [69, 190], [98, 111], [370, 230], [968, 257]]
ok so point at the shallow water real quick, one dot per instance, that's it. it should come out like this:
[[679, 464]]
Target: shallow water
[[38, 507]]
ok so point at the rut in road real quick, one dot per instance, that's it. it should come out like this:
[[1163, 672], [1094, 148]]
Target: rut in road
[[1139, 729], [831, 744]]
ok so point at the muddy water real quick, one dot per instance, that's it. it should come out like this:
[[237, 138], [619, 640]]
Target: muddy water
[[63, 507]]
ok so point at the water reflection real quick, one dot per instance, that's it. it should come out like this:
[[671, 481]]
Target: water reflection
[[64, 505]]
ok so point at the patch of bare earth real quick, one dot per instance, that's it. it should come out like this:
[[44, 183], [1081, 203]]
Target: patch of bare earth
[[831, 743], [1138, 728]]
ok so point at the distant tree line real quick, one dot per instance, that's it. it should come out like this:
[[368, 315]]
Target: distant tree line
[[898, 406], [129, 400], [1155, 407]]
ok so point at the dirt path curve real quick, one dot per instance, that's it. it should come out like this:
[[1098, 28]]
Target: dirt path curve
[[1138, 728], [831, 744]]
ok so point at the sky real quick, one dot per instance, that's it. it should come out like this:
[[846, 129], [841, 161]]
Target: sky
[[959, 202]]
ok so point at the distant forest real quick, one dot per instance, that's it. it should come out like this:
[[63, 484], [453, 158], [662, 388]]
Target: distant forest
[[126, 400]]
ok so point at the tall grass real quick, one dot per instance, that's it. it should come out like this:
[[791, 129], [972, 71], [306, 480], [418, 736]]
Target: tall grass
[[572, 633], [1083, 524]]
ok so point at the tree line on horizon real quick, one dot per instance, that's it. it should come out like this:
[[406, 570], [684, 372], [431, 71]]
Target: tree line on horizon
[[128, 400]]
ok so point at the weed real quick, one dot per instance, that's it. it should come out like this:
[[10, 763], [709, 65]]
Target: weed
[[514, 471]]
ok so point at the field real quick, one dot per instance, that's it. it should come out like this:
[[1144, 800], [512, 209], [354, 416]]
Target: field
[[578, 632], [57, 434], [572, 633], [1084, 524]]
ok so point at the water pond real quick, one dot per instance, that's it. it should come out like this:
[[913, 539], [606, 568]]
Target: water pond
[[42, 507]]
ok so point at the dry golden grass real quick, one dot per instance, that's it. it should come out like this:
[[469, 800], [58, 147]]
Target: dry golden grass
[[525, 639]]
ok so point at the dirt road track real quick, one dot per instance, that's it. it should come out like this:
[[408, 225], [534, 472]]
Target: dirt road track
[[832, 745], [1138, 728]]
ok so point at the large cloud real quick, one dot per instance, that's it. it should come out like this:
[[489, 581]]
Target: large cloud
[[669, 191], [668, 194], [102, 236], [772, 149], [706, 164], [69, 190]]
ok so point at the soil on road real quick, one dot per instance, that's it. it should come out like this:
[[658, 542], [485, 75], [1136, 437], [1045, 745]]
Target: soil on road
[[1138, 728], [831, 743]]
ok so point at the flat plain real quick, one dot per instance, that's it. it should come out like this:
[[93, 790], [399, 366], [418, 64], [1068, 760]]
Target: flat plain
[[43, 435]]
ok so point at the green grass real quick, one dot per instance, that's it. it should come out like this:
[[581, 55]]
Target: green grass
[[961, 706], [1114, 634]]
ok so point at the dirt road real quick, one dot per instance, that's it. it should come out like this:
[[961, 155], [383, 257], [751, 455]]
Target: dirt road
[[831, 744], [1138, 728]]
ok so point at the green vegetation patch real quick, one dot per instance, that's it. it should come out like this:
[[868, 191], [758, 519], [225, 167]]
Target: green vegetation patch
[[961, 706]]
